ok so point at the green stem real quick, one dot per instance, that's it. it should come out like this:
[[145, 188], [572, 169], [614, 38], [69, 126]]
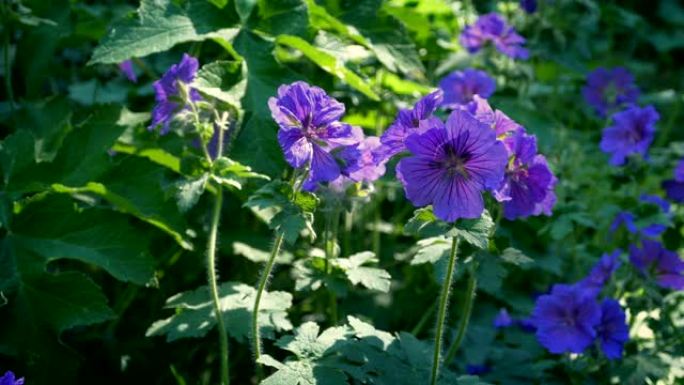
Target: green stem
[[442, 310], [212, 278], [465, 318], [263, 281]]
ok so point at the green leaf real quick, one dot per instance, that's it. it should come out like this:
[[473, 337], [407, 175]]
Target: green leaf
[[431, 250], [329, 63], [425, 224], [244, 8], [134, 186], [278, 17], [370, 277], [272, 204], [159, 25], [193, 313], [53, 228], [189, 192], [517, 258], [260, 256], [232, 174], [387, 36], [81, 158], [49, 123], [223, 80]]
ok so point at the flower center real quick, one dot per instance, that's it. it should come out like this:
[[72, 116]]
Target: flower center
[[456, 165]]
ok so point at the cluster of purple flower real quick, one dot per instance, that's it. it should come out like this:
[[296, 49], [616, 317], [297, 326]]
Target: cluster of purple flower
[[9, 379], [613, 91], [450, 166], [630, 221], [570, 318], [314, 139], [493, 28], [675, 187], [478, 149], [173, 92]]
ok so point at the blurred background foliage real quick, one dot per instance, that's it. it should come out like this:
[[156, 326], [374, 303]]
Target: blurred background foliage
[[94, 242]]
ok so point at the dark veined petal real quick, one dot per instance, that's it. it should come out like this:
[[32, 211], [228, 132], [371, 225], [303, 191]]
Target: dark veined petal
[[297, 149]]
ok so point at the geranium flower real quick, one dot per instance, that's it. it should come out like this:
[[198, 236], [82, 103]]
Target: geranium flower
[[503, 319], [452, 166], [9, 379], [126, 67], [409, 121], [612, 331], [631, 133], [528, 185], [566, 319], [168, 92], [607, 90], [493, 28], [460, 86], [602, 271], [309, 129], [665, 265]]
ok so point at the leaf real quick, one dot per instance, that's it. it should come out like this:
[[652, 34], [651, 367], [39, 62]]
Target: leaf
[[424, 224], [272, 204], [223, 80], [329, 63], [194, 318], [81, 158], [517, 258], [49, 123], [387, 36], [53, 229], [230, 173], [134, 186], [278, 17], [370, 277], [431, 250], [261, 256], [189, 192], [244, 8], [159, 25]]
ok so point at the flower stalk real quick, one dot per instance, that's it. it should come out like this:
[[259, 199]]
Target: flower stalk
[[442, 310], [465, 318]]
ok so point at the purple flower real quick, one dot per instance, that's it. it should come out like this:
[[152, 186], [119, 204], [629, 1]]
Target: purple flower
[[497, 120], [529, 6], [613, 331], [566, 319], [452, 165], [652, 258], [607, 90], [360, 163], [655, 229], [126, 67], [503, 319], [624, 218], [527, 325], [309, 129], [528, 184], [9, 379], [602, 271], [168, 92], [460, 86], [675, 187], [631, 133], [679, 171], [407, 123], [477, 370], [492, 27]]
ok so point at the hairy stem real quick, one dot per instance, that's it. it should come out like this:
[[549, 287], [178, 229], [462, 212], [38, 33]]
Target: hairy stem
[[263, 281], [465, 318], [213, 286], [442, 310]]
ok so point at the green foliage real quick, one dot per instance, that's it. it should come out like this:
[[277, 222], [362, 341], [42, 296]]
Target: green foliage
[[274, 204], [312, 273], [193, 313], [424, 223]]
